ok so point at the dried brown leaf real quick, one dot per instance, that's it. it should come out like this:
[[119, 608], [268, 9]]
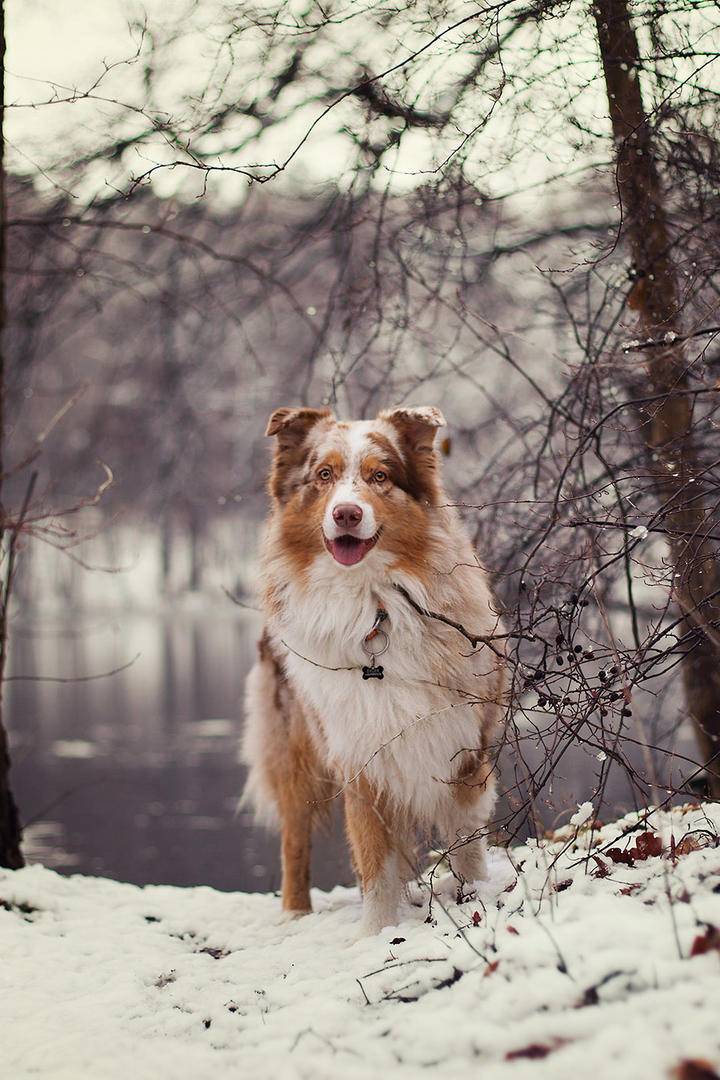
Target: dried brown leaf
[[695, 1069], [619, 856], [688, 843], [648, 845], [695, 841], [533, 1052], [706, 942]]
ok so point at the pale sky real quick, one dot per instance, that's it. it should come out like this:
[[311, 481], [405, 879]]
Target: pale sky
[[55, 46], [47, 41]]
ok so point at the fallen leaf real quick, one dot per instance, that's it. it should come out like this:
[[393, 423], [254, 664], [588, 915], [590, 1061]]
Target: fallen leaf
[[695, 1069], [648, 845], [695, 841], [706, 942], [685, 845], [533, 1052], [619, 856]]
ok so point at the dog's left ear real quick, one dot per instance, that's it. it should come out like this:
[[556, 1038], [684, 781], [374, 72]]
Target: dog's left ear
[[417, 426], [416, 429]]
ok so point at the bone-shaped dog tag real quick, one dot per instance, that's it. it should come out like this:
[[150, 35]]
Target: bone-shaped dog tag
[[379, 645]]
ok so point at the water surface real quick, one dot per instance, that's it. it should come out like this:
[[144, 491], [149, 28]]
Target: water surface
[[135, 775]]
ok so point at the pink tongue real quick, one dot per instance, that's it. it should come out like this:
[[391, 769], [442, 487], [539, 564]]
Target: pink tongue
[[348, 550]]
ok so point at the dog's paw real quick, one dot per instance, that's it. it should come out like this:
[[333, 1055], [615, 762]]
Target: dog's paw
[[364, 932], [291, 916]]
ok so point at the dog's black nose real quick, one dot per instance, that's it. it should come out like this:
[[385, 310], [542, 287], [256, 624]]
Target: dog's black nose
[[347, 515]]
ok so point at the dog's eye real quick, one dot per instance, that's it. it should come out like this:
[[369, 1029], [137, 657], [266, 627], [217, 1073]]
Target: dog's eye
[[379, 476], [324, 475]]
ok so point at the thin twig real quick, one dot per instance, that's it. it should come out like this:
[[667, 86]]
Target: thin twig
[[74, 678]]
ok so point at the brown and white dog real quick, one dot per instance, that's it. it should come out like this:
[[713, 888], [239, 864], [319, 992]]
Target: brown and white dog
[[360, 538]]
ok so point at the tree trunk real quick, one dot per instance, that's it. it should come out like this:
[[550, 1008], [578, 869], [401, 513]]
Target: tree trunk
[[10, 854], [10, 832], [668, 424], [194, 536]]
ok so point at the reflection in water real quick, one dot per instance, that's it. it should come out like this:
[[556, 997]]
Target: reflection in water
[[135, 776]]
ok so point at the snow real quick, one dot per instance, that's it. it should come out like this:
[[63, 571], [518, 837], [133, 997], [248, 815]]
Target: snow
[[582, 814], [590, 949]]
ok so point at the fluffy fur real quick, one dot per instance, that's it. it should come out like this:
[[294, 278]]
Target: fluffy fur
[[359, 514]]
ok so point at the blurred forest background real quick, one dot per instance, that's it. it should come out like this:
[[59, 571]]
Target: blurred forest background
[[510, 210]]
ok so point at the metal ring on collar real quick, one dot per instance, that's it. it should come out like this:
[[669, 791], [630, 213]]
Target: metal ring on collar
[[373, 648]]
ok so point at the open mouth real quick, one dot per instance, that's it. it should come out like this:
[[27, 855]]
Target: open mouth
[[349, 550]]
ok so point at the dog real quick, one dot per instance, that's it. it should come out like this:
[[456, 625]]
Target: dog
[[366, 682]]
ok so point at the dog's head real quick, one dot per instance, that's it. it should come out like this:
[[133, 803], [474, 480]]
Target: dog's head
[[349, 488]]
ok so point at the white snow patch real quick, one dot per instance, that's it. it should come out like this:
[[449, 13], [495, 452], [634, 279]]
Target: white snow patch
[[584, 811], [564, 957]]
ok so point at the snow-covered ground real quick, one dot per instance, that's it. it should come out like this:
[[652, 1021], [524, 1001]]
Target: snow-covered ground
[[591, 954]]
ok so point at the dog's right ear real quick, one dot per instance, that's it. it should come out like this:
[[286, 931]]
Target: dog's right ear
[[292, 425], [291, 428]]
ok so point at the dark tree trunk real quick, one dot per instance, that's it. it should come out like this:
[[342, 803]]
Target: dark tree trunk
[[195, 540], [667, 425], [10, 835]]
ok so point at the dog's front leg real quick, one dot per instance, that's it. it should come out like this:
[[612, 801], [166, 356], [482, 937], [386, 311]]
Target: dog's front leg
[[296, 854], [375, 856]]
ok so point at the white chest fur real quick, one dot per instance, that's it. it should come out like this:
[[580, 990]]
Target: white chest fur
[[403, 732]]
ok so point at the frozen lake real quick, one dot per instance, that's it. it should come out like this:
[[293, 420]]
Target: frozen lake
[[124, 730], [135, 775]]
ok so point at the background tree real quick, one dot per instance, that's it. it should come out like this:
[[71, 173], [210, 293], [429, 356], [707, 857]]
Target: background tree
[[10, 854], [667, 419]]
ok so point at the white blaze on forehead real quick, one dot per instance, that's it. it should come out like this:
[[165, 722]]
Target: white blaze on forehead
[[353, 443], [360, 444]]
